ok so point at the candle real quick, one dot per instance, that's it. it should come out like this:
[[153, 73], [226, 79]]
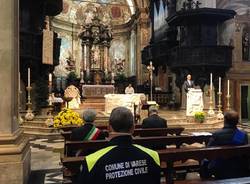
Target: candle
[[28, 77], [219, 84], [211, 82], [228, 87], [50, 77]]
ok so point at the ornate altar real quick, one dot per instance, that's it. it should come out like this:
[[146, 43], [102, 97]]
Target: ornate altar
[[97, 90], [96, 38], [126, 100]]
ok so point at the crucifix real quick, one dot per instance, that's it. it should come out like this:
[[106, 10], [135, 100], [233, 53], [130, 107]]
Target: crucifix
[[151, 68]]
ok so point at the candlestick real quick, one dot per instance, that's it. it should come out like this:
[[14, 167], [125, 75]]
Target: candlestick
[[211, 109], [219, 84], [50, 77], [219, 115], [228, 102], [49, 121], [211, 82], [228, 87], [28, 77], [29, 115]]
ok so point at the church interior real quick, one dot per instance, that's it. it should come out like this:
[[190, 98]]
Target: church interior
[[61, 57]]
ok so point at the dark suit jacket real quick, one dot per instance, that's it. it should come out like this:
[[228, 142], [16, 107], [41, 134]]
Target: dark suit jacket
[[79, 134], [154, 121], [231, 167], [187, 85]]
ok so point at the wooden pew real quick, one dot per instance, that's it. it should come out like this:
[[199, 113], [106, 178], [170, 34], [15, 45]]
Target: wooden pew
[[144, 132], [169, 156], [223, 152], [244, 180], [144, 141], [101, 127]]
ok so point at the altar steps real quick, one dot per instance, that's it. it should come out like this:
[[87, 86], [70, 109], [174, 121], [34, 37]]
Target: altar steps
[[39, 130], [93, 103], [179, 118]]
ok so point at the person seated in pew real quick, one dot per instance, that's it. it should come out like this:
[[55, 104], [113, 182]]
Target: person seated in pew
[[154, 120], [228, 135], [122, 162], [88, 131]]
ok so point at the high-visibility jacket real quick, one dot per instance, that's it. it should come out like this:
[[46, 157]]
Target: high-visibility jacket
[[121, 163]]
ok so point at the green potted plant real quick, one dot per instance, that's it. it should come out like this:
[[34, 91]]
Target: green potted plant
[[199, 116]]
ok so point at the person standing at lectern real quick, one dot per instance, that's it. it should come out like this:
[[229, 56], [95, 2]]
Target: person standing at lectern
[[129, 89], [188, 83]]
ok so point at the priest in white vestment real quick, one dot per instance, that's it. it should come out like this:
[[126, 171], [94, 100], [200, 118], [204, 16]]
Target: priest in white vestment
[[129, 89]]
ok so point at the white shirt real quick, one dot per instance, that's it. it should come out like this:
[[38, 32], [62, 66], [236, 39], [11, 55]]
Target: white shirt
[[129, 90]]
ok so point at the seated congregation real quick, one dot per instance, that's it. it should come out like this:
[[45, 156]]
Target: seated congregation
[[114, 154]]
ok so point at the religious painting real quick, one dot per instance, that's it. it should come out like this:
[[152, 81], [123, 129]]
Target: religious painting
[[118, 52], [83, 12], [65, 53]]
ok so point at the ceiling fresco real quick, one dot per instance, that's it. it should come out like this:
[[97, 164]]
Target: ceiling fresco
[[113, 12]]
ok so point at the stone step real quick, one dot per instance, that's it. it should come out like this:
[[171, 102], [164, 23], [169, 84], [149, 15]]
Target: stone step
[[40, 129], [34, 123], [43, 135], [94, 100]]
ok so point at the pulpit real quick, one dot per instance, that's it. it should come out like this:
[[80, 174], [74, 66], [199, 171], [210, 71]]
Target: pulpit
[[194, 101]]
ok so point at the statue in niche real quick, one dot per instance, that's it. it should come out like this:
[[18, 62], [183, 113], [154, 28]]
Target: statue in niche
[[89, 17], [245, 46], [95, 57]]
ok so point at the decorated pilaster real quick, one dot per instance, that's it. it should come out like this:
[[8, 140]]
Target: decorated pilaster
[[143, 38], [14, 147]]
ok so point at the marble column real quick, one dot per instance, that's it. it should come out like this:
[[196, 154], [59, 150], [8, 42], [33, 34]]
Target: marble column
[[14, 147]]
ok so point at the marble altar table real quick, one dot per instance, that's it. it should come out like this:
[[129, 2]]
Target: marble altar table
[[126, 100], [97, 90]]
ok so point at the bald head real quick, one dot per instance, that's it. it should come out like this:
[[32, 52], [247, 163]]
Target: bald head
[[231, 118]]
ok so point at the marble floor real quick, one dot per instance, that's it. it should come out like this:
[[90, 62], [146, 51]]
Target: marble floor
[[45, 161]]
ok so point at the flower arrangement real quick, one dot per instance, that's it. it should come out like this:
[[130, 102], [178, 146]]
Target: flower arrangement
[[199, 116], [67, 117]]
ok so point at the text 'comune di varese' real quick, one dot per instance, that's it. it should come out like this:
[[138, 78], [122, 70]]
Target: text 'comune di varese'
[[123, 169]]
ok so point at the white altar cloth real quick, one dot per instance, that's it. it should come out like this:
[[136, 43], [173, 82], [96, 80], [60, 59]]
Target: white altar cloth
[[126, 100]]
